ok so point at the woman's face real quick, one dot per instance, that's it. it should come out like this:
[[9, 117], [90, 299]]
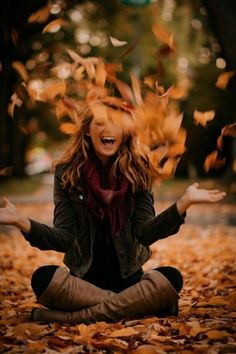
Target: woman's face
[[106, 137]]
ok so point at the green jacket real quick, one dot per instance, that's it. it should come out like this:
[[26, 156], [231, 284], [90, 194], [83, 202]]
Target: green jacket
[[74, 230]]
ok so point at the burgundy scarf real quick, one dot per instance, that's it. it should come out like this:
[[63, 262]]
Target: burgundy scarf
[[106, 194]]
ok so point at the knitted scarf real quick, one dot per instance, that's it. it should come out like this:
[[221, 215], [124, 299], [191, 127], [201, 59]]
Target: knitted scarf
[[106, 194]]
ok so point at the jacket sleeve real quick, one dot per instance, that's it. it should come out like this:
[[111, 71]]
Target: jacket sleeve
[[150, 228], [62, 234]]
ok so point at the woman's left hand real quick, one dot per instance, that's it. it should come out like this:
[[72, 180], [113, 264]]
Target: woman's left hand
[[194, 195]]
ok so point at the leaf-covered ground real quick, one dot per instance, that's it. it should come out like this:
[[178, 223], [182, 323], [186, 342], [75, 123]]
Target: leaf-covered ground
[[204, 251]]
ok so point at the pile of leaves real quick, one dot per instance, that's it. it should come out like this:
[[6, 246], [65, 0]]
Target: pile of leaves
[[206, 323]]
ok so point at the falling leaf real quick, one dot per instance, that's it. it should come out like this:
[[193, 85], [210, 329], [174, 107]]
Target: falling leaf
[[15, 101], [20, 69], [229, 130], [67, 128], [40, 16], [161, 33], [203, 117], [223, 79], [101, 74], [116, 42], [6, 171], [54, 26], [212, 161], [136, 89], [125, 91], [55, 89]]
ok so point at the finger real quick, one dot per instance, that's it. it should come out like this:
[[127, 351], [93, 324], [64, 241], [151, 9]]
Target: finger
[[196, 184]]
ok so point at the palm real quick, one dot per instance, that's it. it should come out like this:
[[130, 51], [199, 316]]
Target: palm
[[8, 213], [198, 195]]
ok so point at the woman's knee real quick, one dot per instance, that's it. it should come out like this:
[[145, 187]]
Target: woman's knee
[[41, 278], [173, 275]]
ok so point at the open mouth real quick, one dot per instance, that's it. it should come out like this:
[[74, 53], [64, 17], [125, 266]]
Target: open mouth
[[107, 140]]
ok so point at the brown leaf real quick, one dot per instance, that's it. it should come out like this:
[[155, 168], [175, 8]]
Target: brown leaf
[[54, 25], [212, 161], [215, 334], [40, 16], [223, 79], [129, 49], [21, 70], [6, 171], [161, 33], [147, 349], [203, 117], [124, 332]]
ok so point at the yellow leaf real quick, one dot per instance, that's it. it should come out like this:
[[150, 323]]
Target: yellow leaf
[[20, 69], [67, 128], [54, 25], [203, 117], [223, 79], [40, 16]]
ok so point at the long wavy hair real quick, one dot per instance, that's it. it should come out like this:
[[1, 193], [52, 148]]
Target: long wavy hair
[[131, 160]]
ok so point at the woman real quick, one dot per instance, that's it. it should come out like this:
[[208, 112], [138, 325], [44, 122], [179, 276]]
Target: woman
[[104, 222]]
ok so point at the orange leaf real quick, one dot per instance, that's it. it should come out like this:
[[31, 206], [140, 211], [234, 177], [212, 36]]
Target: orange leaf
[[55, 89], [54, 25], [39, 16], [67, 128], [125, 91], [215, 334], [101, 73], [203, 117], [116, 42], [223, 79], [161, 33], [124, 332], [20, 69], [212, 161], [136, 89]]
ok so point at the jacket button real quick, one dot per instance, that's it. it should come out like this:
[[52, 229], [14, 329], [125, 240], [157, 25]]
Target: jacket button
[[81, 197]]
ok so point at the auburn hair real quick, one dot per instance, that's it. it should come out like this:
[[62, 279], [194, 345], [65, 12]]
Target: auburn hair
[[132, 160]]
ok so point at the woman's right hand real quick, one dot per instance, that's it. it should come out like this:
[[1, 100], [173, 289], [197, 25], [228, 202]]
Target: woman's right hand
[[10, 215]]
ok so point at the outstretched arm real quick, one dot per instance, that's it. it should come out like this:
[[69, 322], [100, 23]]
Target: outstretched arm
[[10, 215], [195, 195]]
